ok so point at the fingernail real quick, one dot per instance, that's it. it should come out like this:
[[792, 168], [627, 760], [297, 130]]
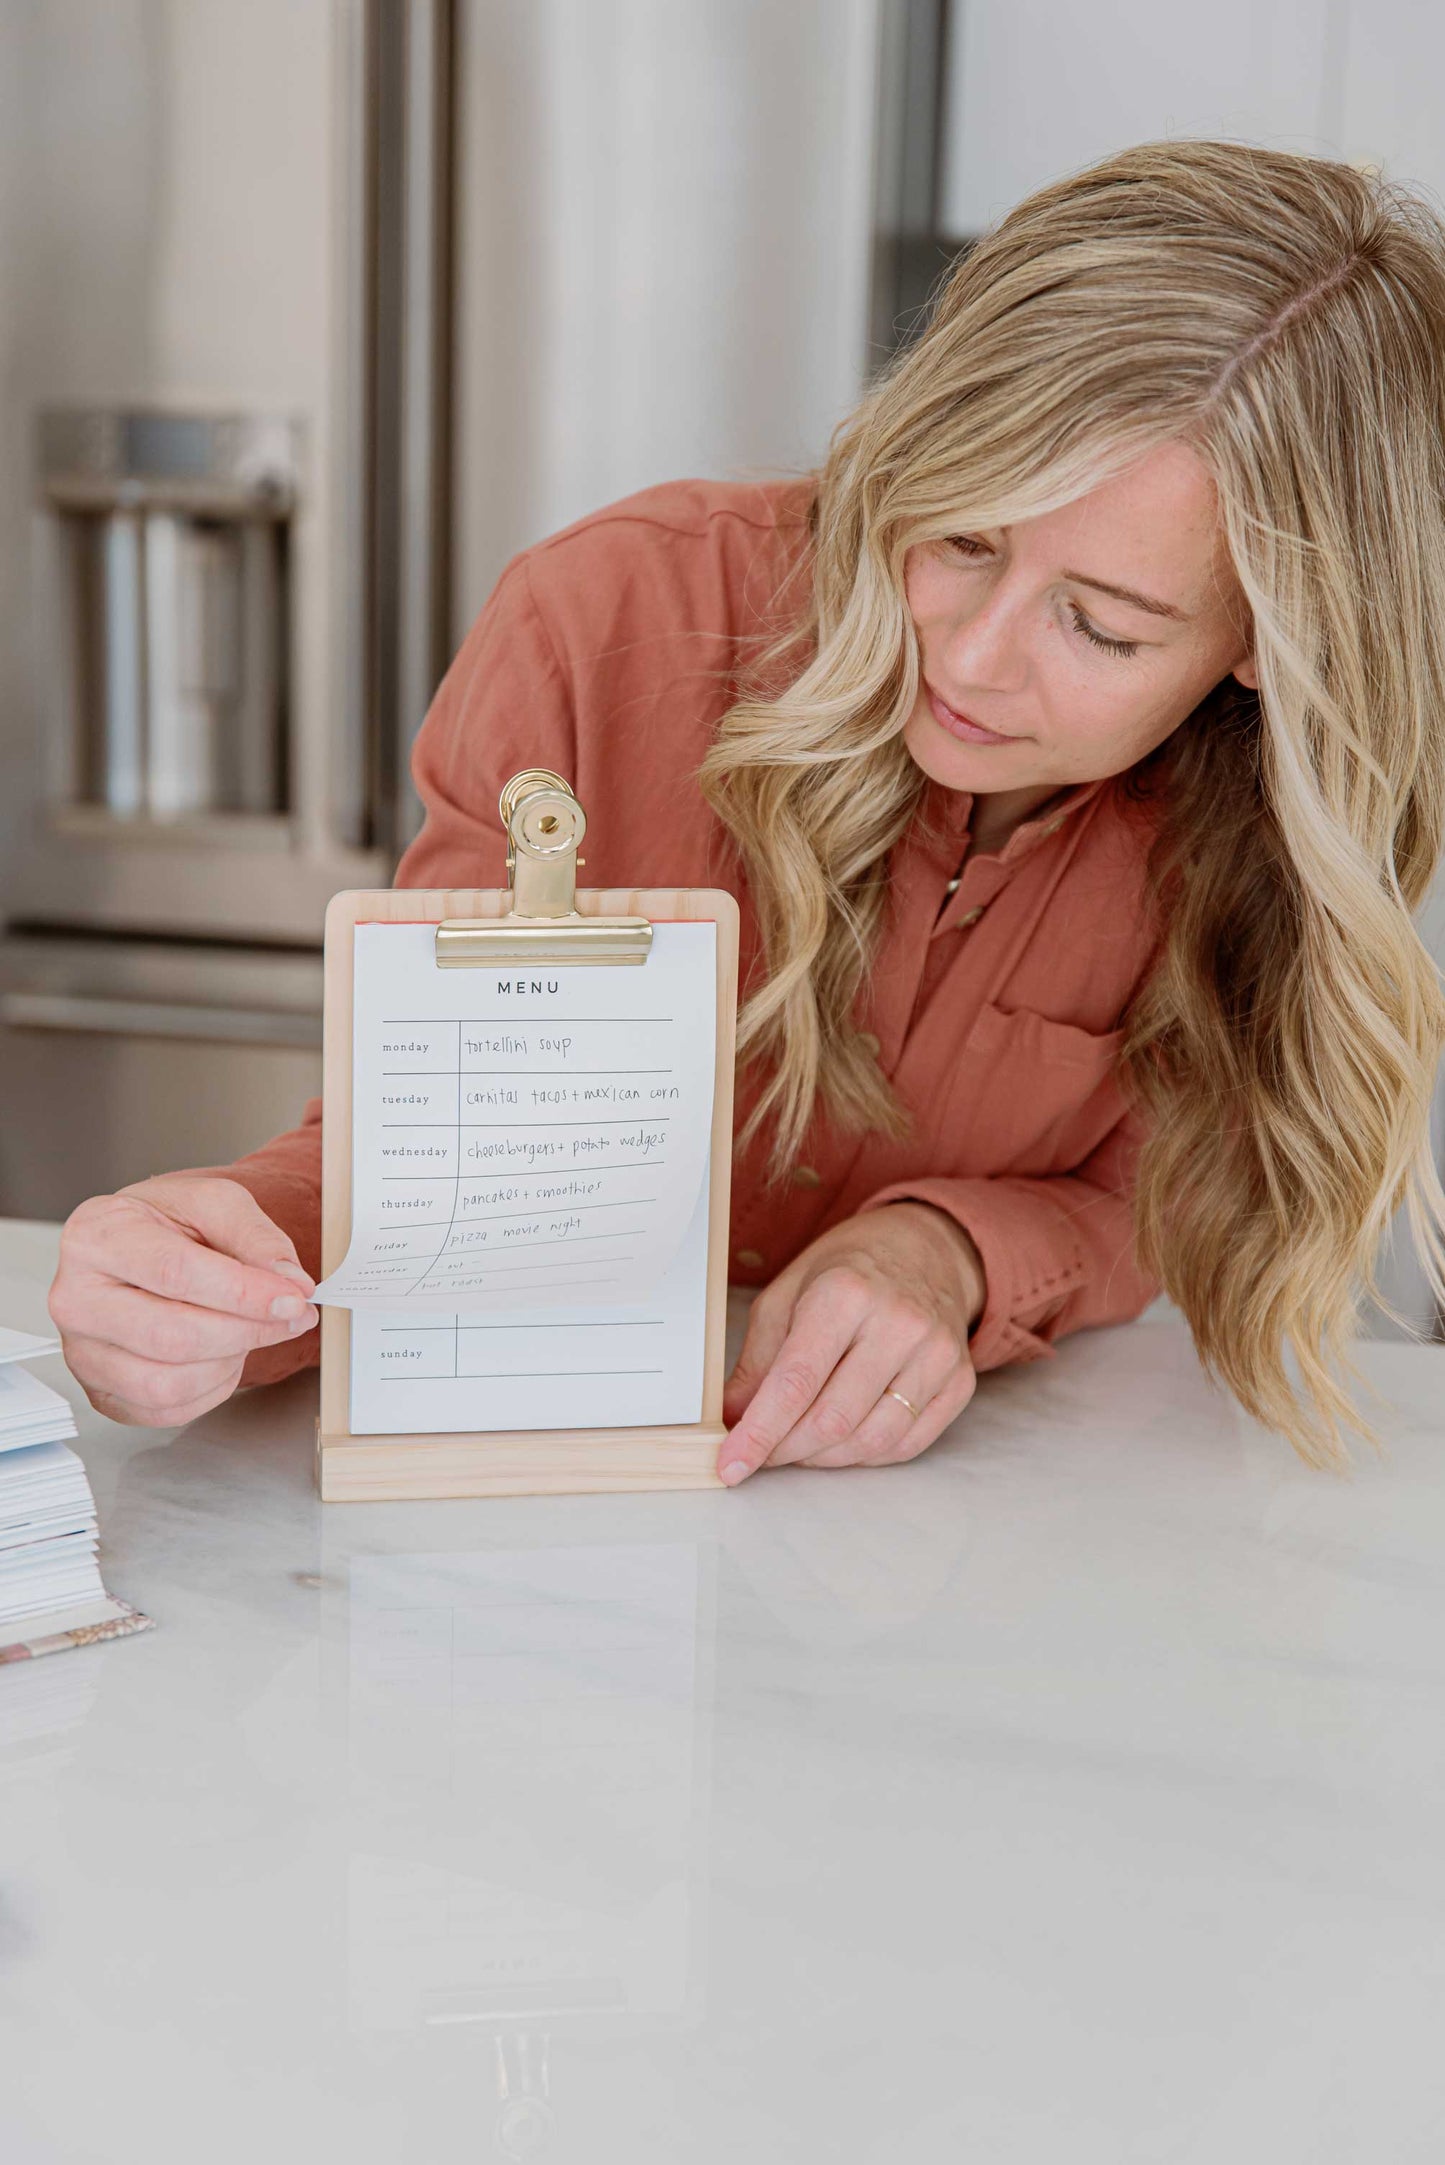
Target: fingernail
[[294, 1270], [287, 1307], [734, 1472]]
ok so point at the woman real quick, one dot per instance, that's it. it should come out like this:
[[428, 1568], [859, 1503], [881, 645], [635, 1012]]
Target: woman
[[1076, 745]]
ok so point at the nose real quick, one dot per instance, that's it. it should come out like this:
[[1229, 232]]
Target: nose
[[982, 648]]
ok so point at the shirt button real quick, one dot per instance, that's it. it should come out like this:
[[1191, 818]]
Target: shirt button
[[970, 917], [749, 1259], [807, 1176], [868, 1043]]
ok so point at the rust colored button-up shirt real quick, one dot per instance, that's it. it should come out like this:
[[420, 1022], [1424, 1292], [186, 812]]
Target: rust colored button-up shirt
[[610, 653]]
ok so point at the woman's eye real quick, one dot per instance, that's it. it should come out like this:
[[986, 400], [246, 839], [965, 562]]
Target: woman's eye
[[1122, 647], [967, 545]]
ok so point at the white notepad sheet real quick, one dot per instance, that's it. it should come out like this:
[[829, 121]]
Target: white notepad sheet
[[24, 1346], [30, 1412], [530, 1152]]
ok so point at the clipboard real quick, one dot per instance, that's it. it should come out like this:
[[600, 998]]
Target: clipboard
[[542, 917]]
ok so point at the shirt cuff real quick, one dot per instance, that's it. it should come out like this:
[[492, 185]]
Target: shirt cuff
[[1032, 1263]]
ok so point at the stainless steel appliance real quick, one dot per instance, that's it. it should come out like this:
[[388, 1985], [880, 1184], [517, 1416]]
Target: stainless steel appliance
[[166, 564], [312, 313]]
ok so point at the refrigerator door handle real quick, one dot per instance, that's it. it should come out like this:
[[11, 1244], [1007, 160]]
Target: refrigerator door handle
[[399, 97], [98, 1014]]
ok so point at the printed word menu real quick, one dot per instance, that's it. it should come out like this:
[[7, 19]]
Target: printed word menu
[[529, 1187]]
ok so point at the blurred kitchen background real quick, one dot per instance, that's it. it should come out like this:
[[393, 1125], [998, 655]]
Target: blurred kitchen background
[[312, 312]]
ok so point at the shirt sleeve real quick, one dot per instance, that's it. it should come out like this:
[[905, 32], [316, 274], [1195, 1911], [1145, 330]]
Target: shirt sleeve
[[1058, 1253], [503, 704]]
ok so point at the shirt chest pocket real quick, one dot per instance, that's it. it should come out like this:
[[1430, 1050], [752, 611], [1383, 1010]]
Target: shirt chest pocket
[[1027, 1095]]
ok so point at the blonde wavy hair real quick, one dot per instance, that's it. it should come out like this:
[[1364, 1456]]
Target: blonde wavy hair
[[1286, 317]]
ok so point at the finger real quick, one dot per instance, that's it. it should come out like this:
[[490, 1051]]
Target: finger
[[140, 1247], [911, 1412], [851, 1394], [181, 1417], [919, 1392], [821, 1334], [890, 1435], [899, 1349], [226, 1217], [166, 1330], [768, 1321], [147, 1392], [872, 1443]]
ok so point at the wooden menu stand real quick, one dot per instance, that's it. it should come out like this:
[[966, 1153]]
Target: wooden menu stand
[[541, 918]]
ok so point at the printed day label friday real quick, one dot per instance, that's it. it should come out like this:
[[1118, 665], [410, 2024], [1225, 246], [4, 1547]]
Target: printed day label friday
[[524, 1138]]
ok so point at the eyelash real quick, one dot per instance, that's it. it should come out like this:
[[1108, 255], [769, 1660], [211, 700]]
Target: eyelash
[[1122, 647], [967, 547]]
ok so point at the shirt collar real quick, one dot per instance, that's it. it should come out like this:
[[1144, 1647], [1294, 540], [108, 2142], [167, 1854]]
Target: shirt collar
[[945, 816], [1050, 818]]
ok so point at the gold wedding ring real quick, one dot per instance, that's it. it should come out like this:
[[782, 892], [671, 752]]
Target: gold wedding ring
[[908, 1402]]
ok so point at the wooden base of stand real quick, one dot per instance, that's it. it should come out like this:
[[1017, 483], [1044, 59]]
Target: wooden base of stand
[[519, 1462]]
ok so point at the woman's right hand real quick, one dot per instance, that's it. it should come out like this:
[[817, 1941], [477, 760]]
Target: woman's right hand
[[164, 1289]]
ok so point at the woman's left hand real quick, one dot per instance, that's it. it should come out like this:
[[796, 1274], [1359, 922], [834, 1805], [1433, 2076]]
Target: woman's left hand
[[874, 1313]]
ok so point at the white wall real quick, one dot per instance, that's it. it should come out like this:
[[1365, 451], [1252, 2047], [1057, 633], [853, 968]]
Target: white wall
[[1038, 88], [1391, 106]]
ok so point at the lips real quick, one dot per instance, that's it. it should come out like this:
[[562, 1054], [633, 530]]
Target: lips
[[958, 725]]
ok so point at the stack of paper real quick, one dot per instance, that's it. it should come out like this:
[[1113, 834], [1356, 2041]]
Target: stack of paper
[[50, 1588]]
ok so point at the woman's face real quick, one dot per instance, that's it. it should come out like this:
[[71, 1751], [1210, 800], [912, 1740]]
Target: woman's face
[[1065, 648]]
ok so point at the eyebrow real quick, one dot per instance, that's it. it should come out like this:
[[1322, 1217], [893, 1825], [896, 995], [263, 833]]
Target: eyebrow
[[1126, 593]]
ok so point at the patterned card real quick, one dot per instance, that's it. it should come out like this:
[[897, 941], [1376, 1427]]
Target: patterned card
[[54, 1635]]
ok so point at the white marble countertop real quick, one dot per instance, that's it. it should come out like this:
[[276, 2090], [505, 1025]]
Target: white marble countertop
[[1073, 1794]]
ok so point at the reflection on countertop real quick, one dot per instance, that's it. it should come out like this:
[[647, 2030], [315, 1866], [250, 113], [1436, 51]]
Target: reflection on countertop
[[557, 1698]]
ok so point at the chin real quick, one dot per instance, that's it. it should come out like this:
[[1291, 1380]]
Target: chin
[[974, 767]]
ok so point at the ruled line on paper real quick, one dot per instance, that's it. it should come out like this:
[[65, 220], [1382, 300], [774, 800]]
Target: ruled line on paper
[[475, 1270], [449, 1285], [514, 1247], [516, 1375], [449, 1072], [546, 1172], [651, 1120], [497, 1217], [552, 1172], [623, 1323], [537, 1019]]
